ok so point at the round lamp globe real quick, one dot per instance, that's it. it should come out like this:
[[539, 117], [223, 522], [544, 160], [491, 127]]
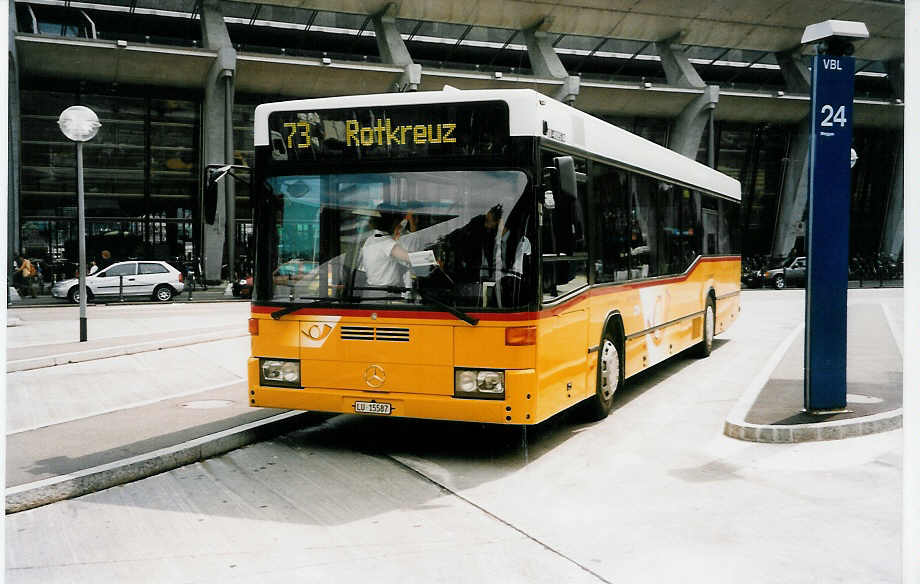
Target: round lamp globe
[[79, 123]]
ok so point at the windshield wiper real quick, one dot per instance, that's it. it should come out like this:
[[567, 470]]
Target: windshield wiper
[[294, 307], [444, 306], [286, 310], [393, 290], [427, 298]]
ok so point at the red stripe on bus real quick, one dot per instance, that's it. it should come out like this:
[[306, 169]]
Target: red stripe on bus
[[386, 313], [495, 316]]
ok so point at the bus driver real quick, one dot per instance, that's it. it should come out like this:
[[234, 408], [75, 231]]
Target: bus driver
[[385, 254]]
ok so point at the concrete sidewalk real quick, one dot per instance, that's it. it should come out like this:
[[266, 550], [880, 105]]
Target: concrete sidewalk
[[83, 456], [171, 393], [76, 445], [772, 409], [38, 356], [215, 293]]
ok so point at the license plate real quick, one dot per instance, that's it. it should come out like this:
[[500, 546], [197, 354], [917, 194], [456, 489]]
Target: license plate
[[373, 408]]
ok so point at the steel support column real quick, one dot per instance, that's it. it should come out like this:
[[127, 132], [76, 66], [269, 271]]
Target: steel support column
[[893, 235], [794, 194], [795, 73], [678, 69], [13, 154], [692, 123], [394, 51], [697, 115], [895, 70], [217, 139], [545, 63]]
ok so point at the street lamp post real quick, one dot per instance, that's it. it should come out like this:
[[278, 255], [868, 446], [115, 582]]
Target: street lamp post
[[80, 124]]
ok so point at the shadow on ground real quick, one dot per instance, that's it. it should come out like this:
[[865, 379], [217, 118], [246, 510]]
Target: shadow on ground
[[344, 468]]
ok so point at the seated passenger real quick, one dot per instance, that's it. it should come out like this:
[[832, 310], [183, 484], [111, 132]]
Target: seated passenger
[[504, 263]]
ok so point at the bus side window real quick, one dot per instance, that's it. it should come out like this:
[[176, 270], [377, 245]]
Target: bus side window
[[729, 226], [669, 252], [692, 244], [610, 211], [710, 225], [643, 239]]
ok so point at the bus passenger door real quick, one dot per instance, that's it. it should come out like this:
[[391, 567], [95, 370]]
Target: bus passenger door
[[563, 359], [564, 336]]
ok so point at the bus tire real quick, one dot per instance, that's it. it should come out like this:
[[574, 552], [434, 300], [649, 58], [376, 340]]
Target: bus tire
[[609, 377], [704, 347]]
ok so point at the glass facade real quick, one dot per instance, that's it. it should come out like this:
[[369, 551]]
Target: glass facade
[[142, 172], [244, 155], [872, 180], [141, 176], [755, 155]]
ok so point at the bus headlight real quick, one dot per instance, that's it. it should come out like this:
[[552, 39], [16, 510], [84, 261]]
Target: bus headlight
[[479, 383], [279, 372]]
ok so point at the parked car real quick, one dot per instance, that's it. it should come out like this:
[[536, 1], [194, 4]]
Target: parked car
[[294, 269], [157, 280], [792, 272], [752, 271]]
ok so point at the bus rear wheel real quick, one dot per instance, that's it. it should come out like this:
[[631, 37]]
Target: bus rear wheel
[[704, 348], [609, 378]]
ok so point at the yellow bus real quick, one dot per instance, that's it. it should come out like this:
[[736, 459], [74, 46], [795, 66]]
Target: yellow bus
[[492, 256]]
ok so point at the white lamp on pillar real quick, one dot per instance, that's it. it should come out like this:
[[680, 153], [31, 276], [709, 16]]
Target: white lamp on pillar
[[80, 124]]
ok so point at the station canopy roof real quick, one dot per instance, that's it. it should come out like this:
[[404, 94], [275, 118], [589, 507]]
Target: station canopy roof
[[729, 35]]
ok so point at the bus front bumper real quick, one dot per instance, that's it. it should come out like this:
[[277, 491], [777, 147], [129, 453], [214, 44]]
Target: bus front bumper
[[518, 407]]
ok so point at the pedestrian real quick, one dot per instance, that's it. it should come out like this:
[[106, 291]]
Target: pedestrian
[[93, 268], [39, 278], [17, 278], [25, 274]]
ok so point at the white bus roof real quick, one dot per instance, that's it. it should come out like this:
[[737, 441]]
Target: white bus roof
[[529, 113]]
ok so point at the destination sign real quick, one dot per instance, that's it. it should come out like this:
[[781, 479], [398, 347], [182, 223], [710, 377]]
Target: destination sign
[[440, 130]]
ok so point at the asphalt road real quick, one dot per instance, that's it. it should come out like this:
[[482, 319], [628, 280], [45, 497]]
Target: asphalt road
[[654, 493]]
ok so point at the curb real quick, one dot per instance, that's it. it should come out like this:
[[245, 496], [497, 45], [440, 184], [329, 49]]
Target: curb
[[38, 493], [17, 305], [736, 427], [118, 351], [836, 430]]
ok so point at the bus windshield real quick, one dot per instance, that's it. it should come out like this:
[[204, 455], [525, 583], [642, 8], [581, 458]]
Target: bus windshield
[[458, 238]]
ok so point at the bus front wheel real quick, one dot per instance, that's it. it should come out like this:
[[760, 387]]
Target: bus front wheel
[[609, 377]]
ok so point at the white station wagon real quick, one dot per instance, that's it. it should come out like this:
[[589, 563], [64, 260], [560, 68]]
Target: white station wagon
[[157, 280]]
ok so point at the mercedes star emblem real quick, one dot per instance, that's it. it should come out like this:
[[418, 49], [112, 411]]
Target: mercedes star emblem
[[374, 376]]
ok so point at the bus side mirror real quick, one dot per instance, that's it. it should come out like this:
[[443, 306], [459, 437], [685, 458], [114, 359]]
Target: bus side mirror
[[567, 186], [209, 201], [562, 180], [214, 174]]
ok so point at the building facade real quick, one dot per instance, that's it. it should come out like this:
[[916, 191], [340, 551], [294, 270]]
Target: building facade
[[175, 82]]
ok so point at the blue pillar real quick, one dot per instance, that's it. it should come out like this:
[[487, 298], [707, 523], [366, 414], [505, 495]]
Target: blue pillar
[[828, 233]]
